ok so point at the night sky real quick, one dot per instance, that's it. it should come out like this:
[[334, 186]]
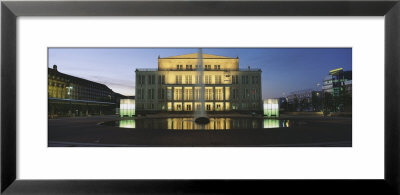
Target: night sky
[[284, 70]]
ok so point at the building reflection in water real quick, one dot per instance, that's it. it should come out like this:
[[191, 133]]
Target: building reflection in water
[[275, 123], [127, 124], [215, 124], [189, 124]]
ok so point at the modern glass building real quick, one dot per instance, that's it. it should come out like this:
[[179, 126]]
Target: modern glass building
[[127, 107], [175, 85], [271, 107], [336, 81]]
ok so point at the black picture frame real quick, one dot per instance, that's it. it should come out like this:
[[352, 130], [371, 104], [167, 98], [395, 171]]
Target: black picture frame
[[11, 10]]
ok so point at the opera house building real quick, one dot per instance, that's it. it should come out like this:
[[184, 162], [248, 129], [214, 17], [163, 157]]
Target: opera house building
[[174, 86]]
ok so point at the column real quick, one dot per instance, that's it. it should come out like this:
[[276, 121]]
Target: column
[[223, 102], [183, 98], [173, 98], [213, 90], [193, 104]]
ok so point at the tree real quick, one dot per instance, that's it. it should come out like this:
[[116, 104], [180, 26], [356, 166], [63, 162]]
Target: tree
[[328, 102], [347, 100], [316, 101], [295, 103], [303, 104]]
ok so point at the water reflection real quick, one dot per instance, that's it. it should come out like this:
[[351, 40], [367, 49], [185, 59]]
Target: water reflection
[[127, 124], [275, 123], [189, 124]]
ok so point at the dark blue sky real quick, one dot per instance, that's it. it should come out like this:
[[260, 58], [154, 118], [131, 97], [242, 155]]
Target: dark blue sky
[[283, 69]]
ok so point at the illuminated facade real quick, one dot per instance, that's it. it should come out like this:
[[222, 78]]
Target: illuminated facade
[[174, 85], [337, 81], [73, 96], [271, 107], [127, 107]]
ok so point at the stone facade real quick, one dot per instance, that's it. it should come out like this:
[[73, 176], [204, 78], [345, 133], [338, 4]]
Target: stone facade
[[174, 85], [73, 96]]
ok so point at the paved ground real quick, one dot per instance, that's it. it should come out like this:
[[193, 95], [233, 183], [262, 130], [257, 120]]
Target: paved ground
[[85, 131]]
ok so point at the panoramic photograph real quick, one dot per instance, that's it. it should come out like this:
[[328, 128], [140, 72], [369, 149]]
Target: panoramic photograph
[[199, 97]]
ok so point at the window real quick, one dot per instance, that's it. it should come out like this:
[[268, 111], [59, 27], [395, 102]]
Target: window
[[209, 94], [218, 94], [235, 79], [177, 93], [178, 79], [188, 93], [237, 95], [169, 93], [188, 79], [208, 79], [217, 79], [142, 79]]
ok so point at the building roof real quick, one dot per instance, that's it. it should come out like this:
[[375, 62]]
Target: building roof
[[73, 79], [195, 56]]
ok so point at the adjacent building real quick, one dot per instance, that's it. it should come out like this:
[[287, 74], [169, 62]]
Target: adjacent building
[[337, 91], [175, 85], [72, 96], [337, 81]]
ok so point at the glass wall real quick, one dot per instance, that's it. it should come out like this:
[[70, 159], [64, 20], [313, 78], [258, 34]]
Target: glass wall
[[271, 108], [127, 107]]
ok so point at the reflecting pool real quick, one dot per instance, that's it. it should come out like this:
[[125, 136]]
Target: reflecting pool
[[189, 124]]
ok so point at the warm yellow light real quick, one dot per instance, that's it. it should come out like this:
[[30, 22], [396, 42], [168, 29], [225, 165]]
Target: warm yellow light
[[335, 70]]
